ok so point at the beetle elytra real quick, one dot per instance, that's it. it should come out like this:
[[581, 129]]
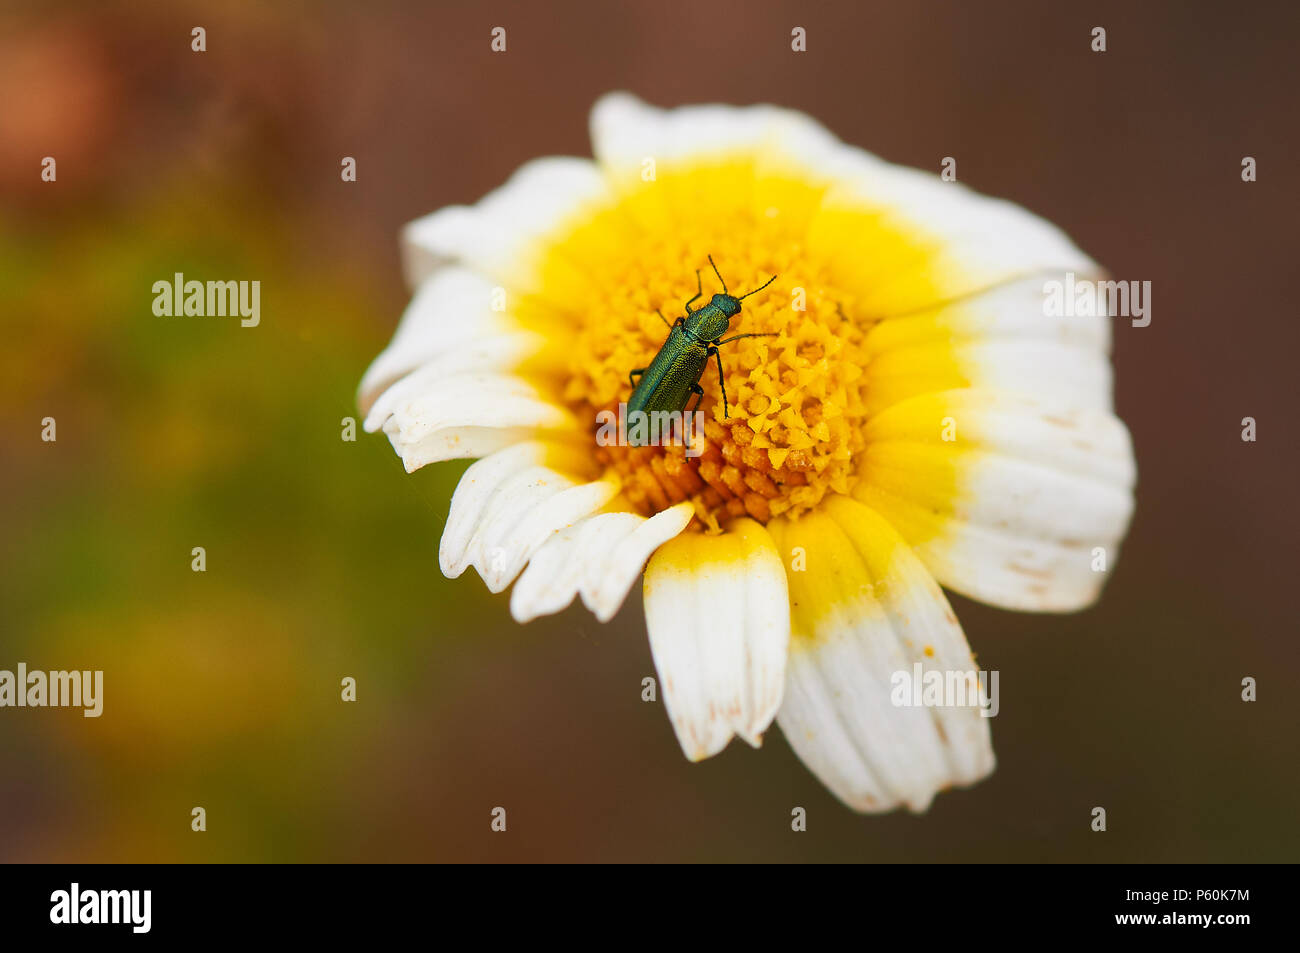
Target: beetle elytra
[[668, 381]]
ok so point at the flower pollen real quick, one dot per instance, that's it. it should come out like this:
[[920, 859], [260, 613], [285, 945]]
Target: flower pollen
[[796, 399]]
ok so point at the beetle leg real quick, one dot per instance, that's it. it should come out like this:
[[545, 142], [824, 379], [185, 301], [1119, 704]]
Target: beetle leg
[[721, 383], [638, 372], [699, 290], [737, 337], [698, 391], [659, 311]]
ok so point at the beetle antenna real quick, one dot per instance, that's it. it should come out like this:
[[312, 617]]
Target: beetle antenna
[[719, 274], [758, 289]]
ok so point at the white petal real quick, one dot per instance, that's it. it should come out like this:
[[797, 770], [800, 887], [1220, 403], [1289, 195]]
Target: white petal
[[449, 310], [456, 443], [964, 241], [427, 417], [972, 241], [1067, 375], [605, 585], [1000, 339], [495, 356], [718, 615], [1012, 310], [864, 610], [1014, 510], [520, 494], [556, 572], [502, 236], [527, 518], [473, 502], [598, 559], [625, 132]]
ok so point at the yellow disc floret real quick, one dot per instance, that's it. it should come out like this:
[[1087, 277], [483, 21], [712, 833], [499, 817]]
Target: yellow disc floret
[[797, 399]]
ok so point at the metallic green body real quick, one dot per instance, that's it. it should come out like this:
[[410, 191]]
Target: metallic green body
[[668, 382], [674, 375]]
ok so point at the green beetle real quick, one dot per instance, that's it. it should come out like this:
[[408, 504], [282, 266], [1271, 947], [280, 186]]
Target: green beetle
[[674, 375]]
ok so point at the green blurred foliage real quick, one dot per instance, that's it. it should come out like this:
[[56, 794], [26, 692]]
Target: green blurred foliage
[[194, 431], [222, 688]]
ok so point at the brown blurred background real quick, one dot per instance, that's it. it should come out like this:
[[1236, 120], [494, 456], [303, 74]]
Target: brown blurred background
[[222, 687]]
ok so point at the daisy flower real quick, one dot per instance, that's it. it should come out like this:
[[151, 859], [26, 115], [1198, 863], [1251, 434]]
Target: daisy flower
[[912, 419]]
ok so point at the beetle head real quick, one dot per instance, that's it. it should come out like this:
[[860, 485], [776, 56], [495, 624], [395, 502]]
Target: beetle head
[[727, 304], [714, 319]]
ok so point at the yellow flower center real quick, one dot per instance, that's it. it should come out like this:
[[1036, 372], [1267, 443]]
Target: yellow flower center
[[797, 400]]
